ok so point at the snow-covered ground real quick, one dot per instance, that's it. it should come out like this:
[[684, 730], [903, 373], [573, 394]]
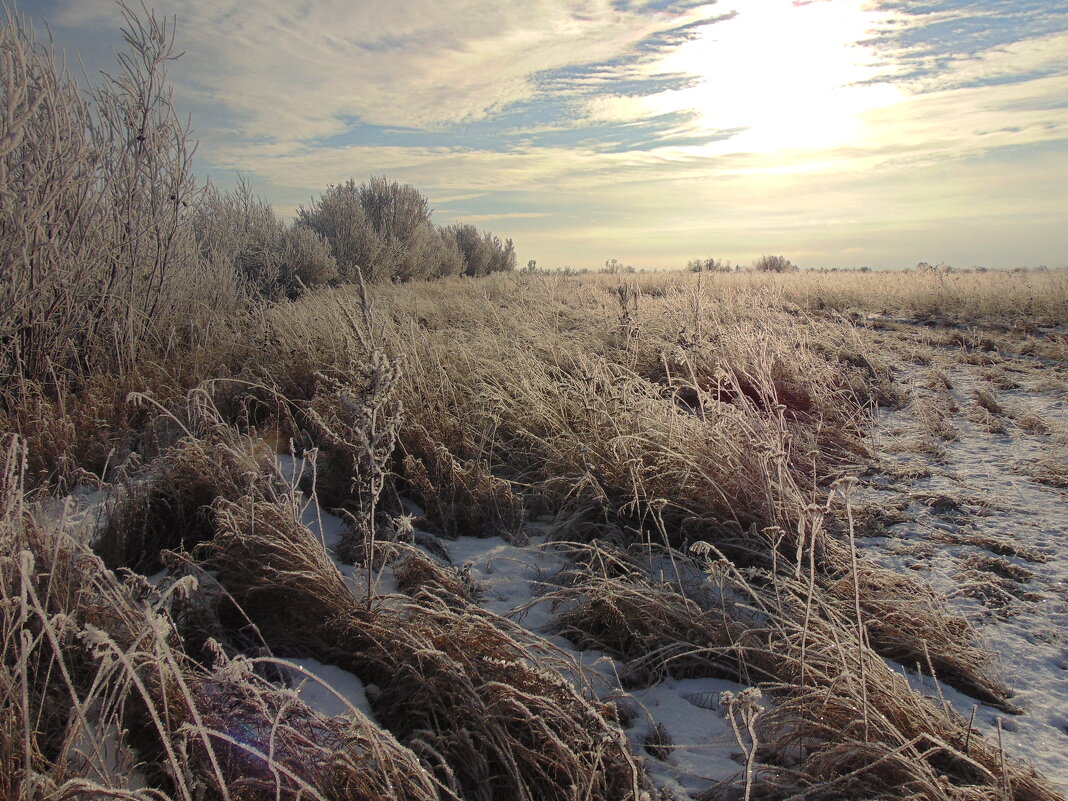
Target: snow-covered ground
[[972, 522], [701, 749], [988, 537]]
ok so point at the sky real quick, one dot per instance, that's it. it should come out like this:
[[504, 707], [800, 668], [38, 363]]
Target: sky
[[839, 133]]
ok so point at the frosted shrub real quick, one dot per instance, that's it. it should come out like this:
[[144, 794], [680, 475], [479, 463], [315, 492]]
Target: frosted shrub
[[307, 259], [774, 264], [98, 197], [483, 252]]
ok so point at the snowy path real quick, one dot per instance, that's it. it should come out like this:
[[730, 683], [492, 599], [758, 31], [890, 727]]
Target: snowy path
[[991, 539]]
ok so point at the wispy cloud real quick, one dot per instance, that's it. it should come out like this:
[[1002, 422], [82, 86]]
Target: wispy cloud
[[932, 40], [661, 127], [295, 71]]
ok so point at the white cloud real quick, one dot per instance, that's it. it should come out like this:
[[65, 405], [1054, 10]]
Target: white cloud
[[1013, 61], [296, 71], [839, 150]]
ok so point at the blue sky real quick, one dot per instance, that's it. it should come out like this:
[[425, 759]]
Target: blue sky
[[836, 132]]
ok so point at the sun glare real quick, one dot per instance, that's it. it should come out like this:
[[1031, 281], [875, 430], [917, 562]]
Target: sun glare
[[791, 74]]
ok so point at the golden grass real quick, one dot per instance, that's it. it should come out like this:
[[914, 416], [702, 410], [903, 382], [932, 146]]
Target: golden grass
[[843, 724], [646, 414], [537, 384]]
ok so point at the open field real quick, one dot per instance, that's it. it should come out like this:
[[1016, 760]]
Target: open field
[[542, 534], [268, 531]]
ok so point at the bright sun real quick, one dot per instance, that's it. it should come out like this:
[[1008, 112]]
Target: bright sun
[[792, 74]]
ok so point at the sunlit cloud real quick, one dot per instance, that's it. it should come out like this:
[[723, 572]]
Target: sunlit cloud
[[293, 71], [666, 129], [786, 74]]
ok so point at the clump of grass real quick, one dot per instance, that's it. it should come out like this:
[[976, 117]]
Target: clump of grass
[[1001, 546], [999, 567], [933, 450], [841, 724], [478, 694], [168, 507], [460, 495], [935, 415], [481, 701], [906, 471], [904, 621], [873, 519], [271, 745], [939, 381], [985, 399], [1029, 421], [101, 701], [1000, 378], [1051, 468], [610, 602], [415, 571], [994, 592]]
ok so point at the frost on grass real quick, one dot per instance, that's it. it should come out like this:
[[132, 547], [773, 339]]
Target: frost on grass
[[700, 544]]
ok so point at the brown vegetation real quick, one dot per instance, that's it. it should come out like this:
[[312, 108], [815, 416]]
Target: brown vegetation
[[706, 422]]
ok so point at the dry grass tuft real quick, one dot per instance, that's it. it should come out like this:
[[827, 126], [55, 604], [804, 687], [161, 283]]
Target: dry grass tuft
[[612, 602], [835, 703], [481, 701], [935, 415], [1000, 546], [1052, 469], [170, 507], [985, 399], [460, 495], [99, 700], [905, 622], [999, 567], [487, 699], [659, 743], [270, 745], [415, 571]]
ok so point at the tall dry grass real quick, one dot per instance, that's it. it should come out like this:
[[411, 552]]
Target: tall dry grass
[[538, 382], [101, 700], [648, 416], [667, 416], [842, 725]]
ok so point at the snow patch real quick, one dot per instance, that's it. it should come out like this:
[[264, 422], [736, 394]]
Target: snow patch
[[321, 689], [991, 541]]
